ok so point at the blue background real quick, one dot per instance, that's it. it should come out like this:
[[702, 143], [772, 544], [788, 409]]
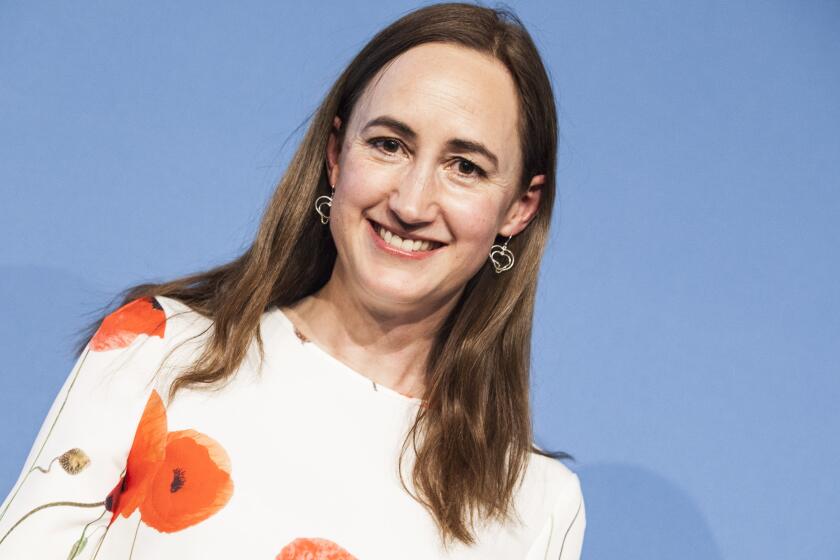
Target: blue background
[[688, 331]]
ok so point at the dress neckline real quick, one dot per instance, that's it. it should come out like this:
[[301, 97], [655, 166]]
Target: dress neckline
[[288, 325]]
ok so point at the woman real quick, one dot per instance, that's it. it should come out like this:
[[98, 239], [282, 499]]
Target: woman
[[355, 385]]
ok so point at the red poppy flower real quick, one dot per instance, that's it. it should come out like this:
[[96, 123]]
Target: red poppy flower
[[176, 479], [120, 328], [147, 453], [192, 483], [313, 549]]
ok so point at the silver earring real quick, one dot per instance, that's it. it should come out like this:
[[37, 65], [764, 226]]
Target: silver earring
[[322, 206], [501, 257]]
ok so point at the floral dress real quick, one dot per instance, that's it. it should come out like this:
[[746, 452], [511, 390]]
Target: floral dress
[[296, 458]]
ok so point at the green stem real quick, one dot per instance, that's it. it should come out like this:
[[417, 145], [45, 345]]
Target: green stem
[[47, 437], [99, 544], [79, 544], [104, 534], [36, 467], [84, 530], [137, 530], [12, 497], [51, 504], [101, 515]]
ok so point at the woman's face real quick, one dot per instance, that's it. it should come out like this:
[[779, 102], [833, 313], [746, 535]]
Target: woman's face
[[426, 176]]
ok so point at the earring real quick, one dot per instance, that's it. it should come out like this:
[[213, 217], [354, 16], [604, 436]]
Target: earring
[[501, 257], [322, 206]]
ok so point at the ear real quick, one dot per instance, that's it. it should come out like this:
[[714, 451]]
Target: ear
[[523, 209], [333, 150]]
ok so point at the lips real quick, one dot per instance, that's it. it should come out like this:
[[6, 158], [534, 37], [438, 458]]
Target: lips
[[406, 244]]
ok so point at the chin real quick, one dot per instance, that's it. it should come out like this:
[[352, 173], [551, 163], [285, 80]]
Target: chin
[[397, 288]]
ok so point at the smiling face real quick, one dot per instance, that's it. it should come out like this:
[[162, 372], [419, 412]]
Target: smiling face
[[426, 176]]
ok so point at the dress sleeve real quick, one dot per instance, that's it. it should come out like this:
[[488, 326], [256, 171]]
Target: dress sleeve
[[561, 537], [572, 541], [62, 503]]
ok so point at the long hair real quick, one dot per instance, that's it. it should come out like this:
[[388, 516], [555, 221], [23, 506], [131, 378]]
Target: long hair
[[473, 440]]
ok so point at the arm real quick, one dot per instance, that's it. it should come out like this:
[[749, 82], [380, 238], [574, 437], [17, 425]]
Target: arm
[[80, 451], [572, 542], [561, 537]]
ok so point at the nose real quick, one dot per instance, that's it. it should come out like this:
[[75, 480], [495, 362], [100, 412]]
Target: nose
[[413, 200]]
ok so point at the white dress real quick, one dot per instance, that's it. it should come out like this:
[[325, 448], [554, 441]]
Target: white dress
[[296, 459]]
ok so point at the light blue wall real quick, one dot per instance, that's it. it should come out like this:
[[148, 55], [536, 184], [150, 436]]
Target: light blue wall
[[688, 332]]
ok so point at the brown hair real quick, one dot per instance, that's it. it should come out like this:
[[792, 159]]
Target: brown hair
[[472, 442]]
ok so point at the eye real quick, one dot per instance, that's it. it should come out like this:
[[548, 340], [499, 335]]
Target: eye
[[469, 169], [387, 145]]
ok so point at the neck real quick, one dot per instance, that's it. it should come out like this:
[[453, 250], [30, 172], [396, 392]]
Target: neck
[[386, 343]]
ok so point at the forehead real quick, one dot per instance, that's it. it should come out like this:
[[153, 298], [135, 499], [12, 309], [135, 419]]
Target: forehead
[[443, 90]]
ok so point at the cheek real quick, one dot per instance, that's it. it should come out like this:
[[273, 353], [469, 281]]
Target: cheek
[[361, 185], [473, 221]]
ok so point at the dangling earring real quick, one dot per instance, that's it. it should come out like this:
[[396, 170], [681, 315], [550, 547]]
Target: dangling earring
[[501, 257], [324, 202]]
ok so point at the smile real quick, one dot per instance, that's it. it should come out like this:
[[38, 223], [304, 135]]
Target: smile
[[403, 245]]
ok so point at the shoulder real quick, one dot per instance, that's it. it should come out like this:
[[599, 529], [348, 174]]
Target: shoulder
[[560, 484], [143, 335], [555, 497], [181, 319], [146, 318]]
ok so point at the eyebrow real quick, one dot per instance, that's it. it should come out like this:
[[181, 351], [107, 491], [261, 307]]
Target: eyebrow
[[456, 144]]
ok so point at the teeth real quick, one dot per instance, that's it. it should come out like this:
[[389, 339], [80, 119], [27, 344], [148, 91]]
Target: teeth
[[397, 242]]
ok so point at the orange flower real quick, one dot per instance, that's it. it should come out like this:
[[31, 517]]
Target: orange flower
[[313, 549], [192, 484], [120, 328], [176, 479], [147, 452]]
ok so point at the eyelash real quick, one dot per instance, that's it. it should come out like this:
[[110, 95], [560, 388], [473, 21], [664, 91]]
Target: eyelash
[[479, 172]]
